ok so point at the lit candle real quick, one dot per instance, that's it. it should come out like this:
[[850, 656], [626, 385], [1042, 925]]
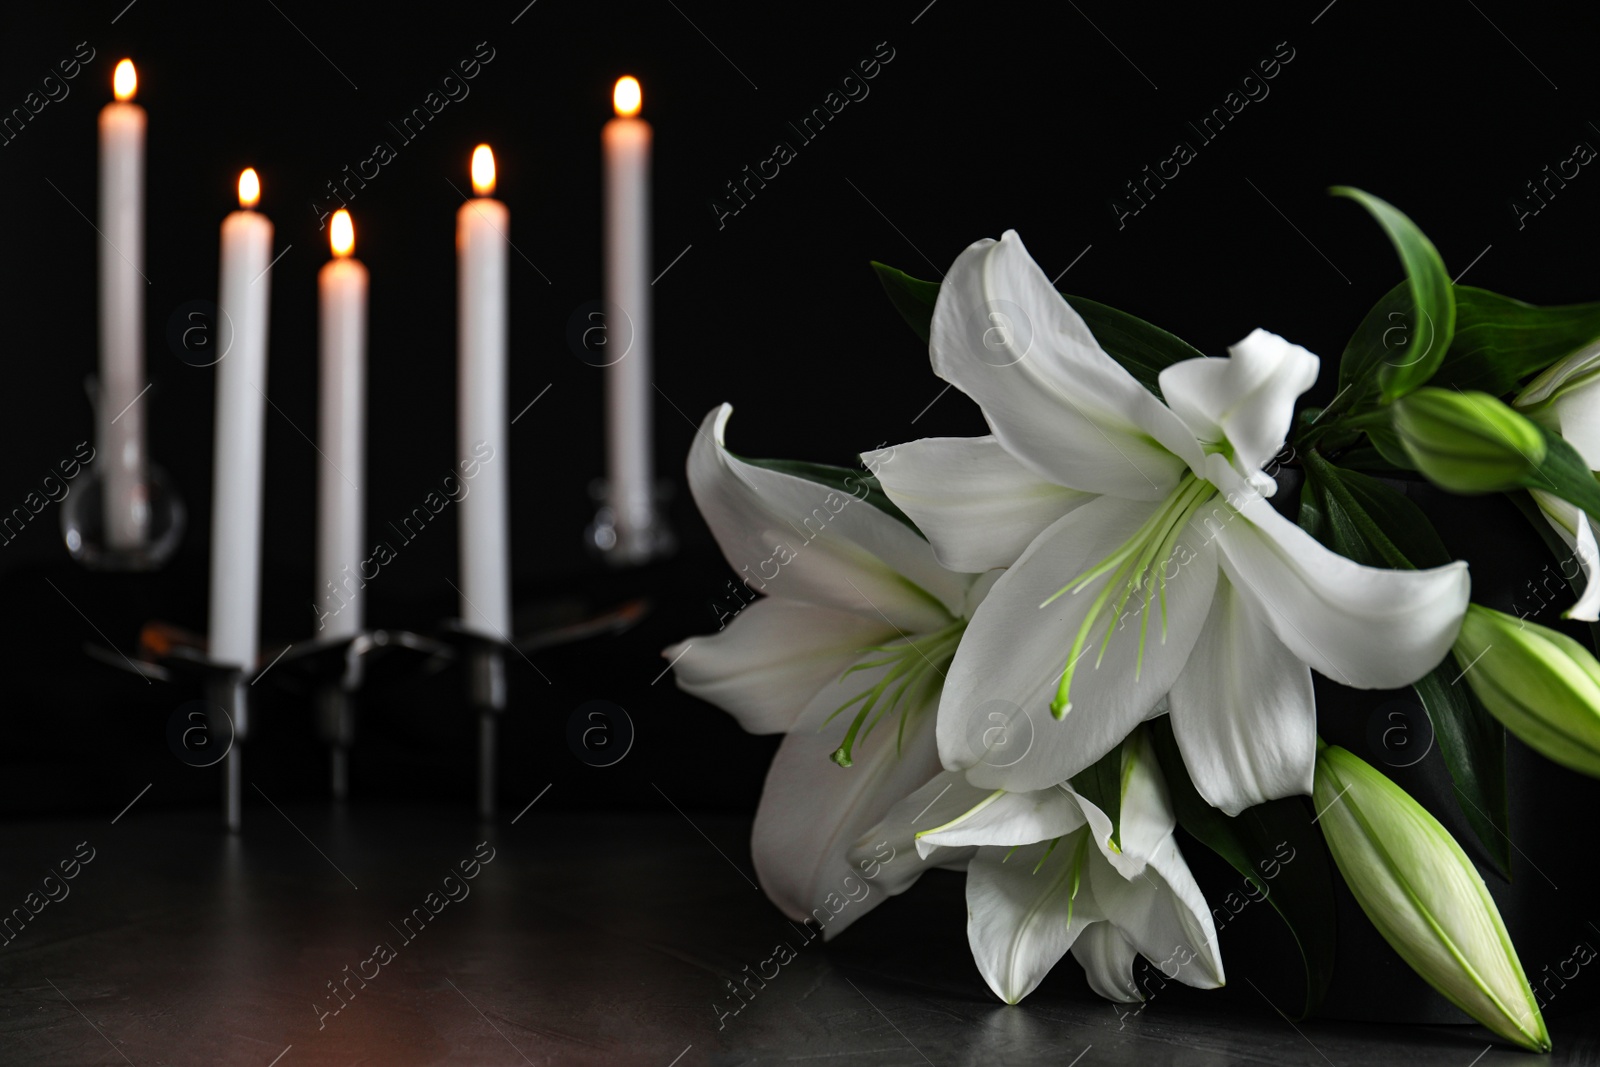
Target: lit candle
[[119, 421], [341, 429], [240, 417], [482, 232], [626, 149]]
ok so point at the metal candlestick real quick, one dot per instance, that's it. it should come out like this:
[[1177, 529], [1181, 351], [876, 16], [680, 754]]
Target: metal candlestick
[[226, 689], [334, 673], [486, 691]]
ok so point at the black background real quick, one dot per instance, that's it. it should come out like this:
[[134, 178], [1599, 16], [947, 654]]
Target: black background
[[988, 117]]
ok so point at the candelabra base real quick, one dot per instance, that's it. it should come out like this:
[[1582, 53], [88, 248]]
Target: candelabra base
[[335, 672]]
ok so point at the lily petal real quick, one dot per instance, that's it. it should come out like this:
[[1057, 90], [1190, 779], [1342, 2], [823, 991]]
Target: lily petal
[[1365, 627], [1010, 661], [1574, 371], [792, 537], [1566, 390], [944, 798], [1164, 914], [1004, 336], [1578, 411], [1145, 820], [978, 506], [1572, 525], [1243, 711], [765, 667], [812, 812], [1021, 921], [1001, 818], [980, 589], [1246, 400], [1107, 958]]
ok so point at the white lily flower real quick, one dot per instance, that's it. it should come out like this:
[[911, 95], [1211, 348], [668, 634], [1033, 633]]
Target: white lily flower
[[857, 624], [1047, 872], [1130, 507], [1573, 525], [1564, 398]]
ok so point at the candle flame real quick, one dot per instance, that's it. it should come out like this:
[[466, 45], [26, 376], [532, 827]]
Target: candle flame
[[626, 97], [343, 234], [125, 82], [483, 171], [249, 188]]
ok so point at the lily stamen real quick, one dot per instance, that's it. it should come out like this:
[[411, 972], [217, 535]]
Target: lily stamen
[[1137, 565], [919, 662]]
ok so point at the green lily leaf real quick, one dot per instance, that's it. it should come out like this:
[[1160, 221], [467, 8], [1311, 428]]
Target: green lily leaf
[[1473, 744], [1386, 443], [1373, 524], [1368, 458], [1299, 885], [1101, 784], [1431, 313], [1142, 349], [1313, 513], [912, 297], [1500, 341], [1384, 337], [1382, 527], [1564, 473], [848, 481]]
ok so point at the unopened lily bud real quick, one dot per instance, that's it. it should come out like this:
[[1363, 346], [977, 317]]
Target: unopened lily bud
[[1467, 442], [1543, 685], [1424, 896]]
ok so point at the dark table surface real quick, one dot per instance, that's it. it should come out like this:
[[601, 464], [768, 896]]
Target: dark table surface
[[602, 939]]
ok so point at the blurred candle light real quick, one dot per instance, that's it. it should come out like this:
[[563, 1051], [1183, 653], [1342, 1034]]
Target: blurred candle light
[[124, 80], [120, 426], [482, 233], [625, 144], [249, 188], [627, 97], [341, 433], [483, 171]]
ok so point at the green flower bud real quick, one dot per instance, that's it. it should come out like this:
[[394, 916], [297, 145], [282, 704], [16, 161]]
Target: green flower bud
[[1467, 442], [1543, 685], [1424, 896]]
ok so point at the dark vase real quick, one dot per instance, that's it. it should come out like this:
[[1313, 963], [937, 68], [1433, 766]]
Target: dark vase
[[1544, 902]]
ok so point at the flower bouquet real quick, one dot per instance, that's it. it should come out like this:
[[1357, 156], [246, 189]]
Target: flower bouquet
[[1033, 656]]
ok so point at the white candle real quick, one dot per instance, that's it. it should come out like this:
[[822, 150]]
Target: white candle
[[240, 417], [626, 150], [482, 233], [119, 421], [341, 431]]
